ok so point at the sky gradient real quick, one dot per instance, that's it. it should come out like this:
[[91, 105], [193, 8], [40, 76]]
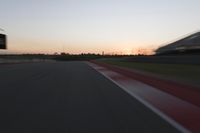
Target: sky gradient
[[82, 26]]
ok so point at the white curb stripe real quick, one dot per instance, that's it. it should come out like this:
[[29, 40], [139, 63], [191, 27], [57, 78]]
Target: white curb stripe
[[129, 89]]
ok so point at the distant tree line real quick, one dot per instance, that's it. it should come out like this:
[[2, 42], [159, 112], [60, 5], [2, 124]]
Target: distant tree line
[[62, 56]]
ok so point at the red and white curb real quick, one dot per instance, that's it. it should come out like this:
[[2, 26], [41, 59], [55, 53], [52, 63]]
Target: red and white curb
[[181, 114]]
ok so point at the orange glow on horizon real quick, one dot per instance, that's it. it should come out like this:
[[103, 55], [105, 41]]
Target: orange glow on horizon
[[50, 47]]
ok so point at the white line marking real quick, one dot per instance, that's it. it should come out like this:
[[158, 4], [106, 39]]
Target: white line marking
[[146, 103]]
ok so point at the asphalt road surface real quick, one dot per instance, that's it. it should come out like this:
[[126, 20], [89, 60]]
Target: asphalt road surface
[[69, 97]]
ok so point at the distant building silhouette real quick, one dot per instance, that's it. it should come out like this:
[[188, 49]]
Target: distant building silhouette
[[189, 44]]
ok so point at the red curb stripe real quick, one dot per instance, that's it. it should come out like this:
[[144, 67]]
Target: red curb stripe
[[185, 92], [180, 113]]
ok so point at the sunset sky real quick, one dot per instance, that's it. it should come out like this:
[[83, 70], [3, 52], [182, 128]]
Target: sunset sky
[[82, 26]]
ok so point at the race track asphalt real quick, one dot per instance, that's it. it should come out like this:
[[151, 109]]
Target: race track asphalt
[[69, 97]]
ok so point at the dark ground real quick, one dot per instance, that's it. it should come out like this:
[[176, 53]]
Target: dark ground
[[69, 97], [170, 59]]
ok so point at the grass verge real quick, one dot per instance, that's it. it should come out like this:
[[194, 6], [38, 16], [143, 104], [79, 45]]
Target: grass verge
[[189, 74]]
